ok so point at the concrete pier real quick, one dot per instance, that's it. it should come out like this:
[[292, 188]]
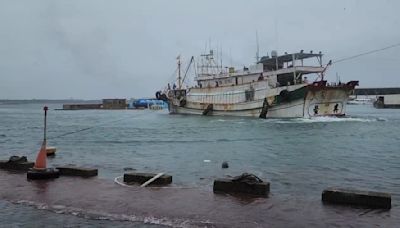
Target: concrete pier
[[225, 185], [357, 198], [16, 163], [141, 178], [45, 174], [77, 171]]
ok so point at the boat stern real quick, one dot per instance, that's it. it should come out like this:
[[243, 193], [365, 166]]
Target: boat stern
[[328, 100]]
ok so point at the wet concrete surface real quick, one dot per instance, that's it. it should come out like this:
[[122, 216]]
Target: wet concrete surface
[[185, 207]]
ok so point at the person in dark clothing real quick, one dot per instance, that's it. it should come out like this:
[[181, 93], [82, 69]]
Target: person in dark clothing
[[336, 108], [316, 110]]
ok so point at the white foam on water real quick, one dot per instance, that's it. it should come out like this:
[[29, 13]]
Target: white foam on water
[[324, 119], [230, 119], [99, 215]]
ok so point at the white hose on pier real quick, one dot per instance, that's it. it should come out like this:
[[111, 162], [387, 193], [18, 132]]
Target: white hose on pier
[[117, 180]]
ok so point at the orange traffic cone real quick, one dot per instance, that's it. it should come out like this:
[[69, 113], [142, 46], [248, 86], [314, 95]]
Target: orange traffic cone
[[40, 170], [41, 157]]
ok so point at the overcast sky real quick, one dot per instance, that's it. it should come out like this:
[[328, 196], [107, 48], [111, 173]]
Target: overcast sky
[[95, 49]]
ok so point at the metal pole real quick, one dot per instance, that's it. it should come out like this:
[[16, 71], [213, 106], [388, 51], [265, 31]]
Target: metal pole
[[179, 73], [45, 122], [294, 68]]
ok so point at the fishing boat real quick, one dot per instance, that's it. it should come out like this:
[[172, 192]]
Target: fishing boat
[[274, 87]]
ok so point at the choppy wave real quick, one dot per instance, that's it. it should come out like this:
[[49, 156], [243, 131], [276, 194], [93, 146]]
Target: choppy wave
[[321, 119], [100, 215], [325, 119], [143, 141]]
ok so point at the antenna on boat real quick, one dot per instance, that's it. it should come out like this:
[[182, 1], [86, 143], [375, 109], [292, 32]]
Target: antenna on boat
[[230, 55], [221, 56], [258, 48], [337, 77]]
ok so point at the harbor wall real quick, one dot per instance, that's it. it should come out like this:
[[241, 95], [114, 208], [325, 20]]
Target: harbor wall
[[81, 106], [383, 97], [106, 104], [376, 91], [114, 104]]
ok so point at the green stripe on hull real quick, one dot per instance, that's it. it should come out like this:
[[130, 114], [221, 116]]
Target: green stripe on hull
[[288, 96]]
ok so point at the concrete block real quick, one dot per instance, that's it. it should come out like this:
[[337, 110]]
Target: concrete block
[[357, 198], [44, 174], [141, 178], [22, 166], [77, 171], [229, 186]]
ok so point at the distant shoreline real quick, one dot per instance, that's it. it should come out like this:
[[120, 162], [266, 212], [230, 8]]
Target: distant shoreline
[[51, 101]]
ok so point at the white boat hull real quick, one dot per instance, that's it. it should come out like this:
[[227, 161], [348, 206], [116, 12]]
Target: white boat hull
[[317, 102]]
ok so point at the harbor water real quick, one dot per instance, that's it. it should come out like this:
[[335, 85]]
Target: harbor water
[[299, 157]]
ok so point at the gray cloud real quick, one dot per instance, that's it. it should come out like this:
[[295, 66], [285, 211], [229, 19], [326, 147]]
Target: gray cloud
[[97, 48]]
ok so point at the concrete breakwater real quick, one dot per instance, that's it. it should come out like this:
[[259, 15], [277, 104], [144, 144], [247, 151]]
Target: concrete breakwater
[[143, 103], [105, 104]]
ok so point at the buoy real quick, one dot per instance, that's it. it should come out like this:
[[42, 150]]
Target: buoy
[[225, 165], [40, 170], [51, 151]]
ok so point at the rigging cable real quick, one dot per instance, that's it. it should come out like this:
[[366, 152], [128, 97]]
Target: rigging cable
[[366, 53], [187, 68]]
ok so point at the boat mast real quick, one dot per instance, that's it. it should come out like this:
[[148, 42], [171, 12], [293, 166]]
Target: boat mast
[[179, 72], [258, 48]]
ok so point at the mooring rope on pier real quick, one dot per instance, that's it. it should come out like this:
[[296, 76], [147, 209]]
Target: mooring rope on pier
[[85, 129], [94, 126], [117, 181]]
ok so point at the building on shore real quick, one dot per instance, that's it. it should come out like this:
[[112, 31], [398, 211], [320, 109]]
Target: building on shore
[[388, 97], [387, 101], [81, 106], [114, 104], [105, 104]]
